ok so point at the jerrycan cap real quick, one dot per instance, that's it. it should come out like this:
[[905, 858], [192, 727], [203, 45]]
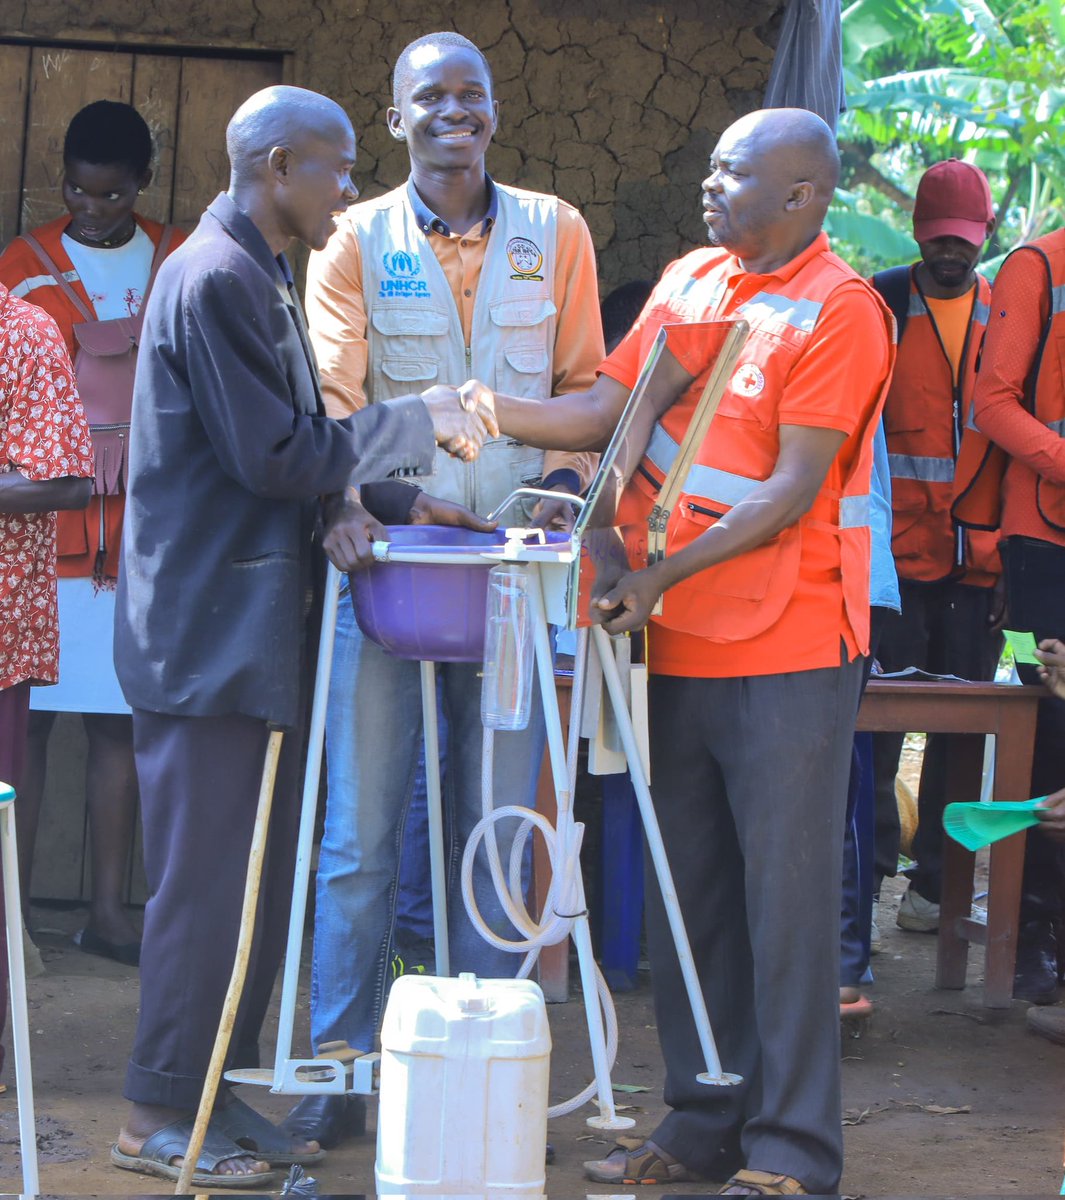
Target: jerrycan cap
[[474, 1003]]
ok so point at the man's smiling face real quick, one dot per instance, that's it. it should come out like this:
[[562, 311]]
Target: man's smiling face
[[446, 114]]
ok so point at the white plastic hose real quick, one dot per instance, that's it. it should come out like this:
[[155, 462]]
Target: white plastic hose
[[564, 903]]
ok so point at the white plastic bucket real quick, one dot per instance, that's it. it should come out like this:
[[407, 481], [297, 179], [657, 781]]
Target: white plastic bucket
[[464, 1083]]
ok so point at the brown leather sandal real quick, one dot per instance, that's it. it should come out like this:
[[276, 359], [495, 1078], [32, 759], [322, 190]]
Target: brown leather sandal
[[762, 1183], [638, 1161]]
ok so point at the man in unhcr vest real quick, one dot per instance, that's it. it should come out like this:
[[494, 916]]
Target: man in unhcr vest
[[756, 659], [1017, 484], [947, 574], [448, 276]]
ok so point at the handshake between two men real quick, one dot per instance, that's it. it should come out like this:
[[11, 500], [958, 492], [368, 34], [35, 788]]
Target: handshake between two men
[[463, 419]]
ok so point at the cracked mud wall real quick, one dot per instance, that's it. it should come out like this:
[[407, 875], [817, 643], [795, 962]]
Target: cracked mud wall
[[613, 106]]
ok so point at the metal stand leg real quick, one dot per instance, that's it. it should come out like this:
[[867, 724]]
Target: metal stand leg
[[713, 1074], [431, 733], [580, 932], [20, 1029], [305, 842]]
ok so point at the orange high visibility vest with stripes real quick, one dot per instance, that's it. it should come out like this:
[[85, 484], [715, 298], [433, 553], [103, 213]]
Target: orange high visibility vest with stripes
[[741, 598], [925, 415]]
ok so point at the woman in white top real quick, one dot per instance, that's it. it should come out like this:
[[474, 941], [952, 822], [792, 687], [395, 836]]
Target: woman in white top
[[102, 252]]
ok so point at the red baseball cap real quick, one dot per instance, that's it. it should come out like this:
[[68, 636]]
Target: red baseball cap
[[953, 200]]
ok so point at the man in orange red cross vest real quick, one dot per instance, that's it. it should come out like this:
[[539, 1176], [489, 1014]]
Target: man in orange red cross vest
[[947, 574], [756, 660]]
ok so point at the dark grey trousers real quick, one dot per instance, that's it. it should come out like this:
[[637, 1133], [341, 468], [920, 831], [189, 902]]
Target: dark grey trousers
[[199, 785], [749, 778]]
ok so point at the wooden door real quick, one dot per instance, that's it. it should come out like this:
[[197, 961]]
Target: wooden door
[[187, 100]]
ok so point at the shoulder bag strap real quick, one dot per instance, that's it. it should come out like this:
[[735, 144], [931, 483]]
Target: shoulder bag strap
[[894, 288], [157, 261], [57, 275]]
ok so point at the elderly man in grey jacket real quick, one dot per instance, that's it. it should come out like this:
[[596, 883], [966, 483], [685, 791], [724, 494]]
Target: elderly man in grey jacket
[[230, 453]]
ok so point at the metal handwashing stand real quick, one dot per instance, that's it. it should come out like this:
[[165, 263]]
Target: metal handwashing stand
[[563, 576]]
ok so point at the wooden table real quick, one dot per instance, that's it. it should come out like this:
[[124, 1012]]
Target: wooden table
[[971, 710]]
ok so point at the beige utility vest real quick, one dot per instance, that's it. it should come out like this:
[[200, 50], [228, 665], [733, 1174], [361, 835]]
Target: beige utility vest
[[414, 329]]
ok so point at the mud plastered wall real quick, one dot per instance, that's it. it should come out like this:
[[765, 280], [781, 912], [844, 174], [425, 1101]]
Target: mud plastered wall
[[613, 106]]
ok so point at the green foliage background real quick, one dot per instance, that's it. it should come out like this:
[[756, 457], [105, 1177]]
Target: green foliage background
[[975, 79]]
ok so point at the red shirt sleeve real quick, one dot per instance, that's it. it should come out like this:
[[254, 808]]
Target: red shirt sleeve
[[47, 436], [1010, 347]]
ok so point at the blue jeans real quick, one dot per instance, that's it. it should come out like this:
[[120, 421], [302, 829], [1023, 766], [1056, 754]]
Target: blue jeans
[[373, 730], [414, 900]]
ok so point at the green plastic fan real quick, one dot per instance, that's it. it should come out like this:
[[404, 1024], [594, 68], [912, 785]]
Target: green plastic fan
[[978, 825]]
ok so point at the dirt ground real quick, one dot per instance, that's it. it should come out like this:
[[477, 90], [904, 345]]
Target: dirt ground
[[925, 1051]]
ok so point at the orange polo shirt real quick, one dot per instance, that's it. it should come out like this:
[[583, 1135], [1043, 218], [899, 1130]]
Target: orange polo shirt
[[336, 314], [835, 383]]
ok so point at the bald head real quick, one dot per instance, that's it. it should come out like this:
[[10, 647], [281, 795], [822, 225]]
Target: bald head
[[279, 116], [799, 143], [772, 175]]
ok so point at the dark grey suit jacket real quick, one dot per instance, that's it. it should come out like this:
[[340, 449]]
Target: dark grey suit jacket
[[229, 451]]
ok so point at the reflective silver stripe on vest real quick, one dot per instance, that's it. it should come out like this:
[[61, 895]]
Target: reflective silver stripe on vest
[[705, 483], [799, 314], [981, 313], [1058, 427], [916, 306], [1057, 299], [854, 511], [725, 487], [916, 466]]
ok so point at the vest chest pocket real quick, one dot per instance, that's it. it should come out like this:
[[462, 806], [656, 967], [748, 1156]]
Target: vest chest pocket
[[754, 389], [523, 363], [902, 420], [405, 334], [402, 369], [524, 371], [738, 599]]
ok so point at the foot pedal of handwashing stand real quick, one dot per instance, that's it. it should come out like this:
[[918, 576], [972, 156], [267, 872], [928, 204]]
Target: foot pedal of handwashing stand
[[336, 1068]]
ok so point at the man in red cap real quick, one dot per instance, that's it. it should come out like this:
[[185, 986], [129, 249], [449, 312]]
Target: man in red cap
[[947, 575]]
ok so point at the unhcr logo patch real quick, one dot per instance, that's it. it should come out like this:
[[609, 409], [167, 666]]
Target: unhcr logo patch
[[403, 269]]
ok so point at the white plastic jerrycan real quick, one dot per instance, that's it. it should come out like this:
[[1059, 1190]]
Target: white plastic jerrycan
[[464, 1082]]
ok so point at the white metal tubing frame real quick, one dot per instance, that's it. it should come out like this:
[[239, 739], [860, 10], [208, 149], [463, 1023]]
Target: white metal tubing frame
[[284, 1075], [294, 1075], [580, 930], [327, 1075], [435, 812], [16, 965], [713, 1074], [565, 908]]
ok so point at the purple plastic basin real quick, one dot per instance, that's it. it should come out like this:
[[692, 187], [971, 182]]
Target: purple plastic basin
[[429, 611]]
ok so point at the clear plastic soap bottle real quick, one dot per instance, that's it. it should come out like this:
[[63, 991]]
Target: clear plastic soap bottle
[[509, 652]]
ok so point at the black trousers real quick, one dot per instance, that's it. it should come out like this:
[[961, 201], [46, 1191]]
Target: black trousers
[[943, 628], [749, 778], [1035, 598], [199, 784]]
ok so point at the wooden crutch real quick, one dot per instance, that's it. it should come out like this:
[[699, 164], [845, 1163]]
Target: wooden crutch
[[240, 965]]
